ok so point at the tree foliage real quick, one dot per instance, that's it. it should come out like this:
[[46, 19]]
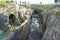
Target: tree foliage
[[8, 1]]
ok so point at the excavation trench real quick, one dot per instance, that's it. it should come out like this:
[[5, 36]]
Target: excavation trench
[[32, 30]]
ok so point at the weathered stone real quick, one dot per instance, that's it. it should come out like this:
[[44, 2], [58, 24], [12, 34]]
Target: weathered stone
[[3, 21], [53, 29]]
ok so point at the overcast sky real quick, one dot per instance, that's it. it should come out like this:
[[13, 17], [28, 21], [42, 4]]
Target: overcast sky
[[31, 1], [37, 1]]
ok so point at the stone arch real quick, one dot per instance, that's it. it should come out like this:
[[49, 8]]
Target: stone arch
[[12, 19]]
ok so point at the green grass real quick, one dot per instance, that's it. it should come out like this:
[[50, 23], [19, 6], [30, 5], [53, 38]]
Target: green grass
[[4, 35], [58, 13], [45, 6]]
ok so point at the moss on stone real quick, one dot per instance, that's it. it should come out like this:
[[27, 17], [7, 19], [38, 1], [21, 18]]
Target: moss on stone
[[58, 13], [5, 34]]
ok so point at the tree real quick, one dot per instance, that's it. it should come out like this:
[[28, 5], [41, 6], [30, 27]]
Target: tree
[[28, 2], [8, 1], [40, 2], [25, 2], [12, 1], [20, 2], [55, 0]]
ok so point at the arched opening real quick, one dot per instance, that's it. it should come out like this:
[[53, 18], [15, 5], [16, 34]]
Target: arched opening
[[12, 19]]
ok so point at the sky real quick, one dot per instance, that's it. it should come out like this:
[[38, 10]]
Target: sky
[[38, 1], [31, 1], [48, 1]]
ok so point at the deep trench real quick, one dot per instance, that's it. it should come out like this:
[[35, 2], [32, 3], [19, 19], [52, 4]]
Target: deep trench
[[37, 31], [34, 32]]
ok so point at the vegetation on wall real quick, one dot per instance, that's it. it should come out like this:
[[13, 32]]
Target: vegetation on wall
[[4, 35], [58, 13], [20, 18]]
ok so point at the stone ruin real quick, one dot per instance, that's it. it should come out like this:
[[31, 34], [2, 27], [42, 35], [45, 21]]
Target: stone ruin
[[8, 19]]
